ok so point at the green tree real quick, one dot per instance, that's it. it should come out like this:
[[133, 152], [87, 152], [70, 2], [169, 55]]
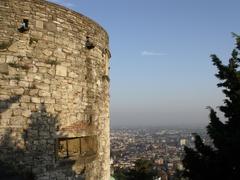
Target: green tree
[[222, 160], [120, 174], [144, 170]]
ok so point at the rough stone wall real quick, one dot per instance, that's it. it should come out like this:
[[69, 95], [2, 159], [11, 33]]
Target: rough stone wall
[[52, 86]]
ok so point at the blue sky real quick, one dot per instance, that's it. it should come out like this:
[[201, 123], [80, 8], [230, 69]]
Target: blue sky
[[161, 73]]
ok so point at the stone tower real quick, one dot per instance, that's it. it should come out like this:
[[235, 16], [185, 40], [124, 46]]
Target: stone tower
[[54, 92]]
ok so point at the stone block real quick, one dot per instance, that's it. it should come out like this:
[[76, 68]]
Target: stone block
[[50, 26], [17, 112], [13, 83], [35, 100], [43, 93], [42, 86], [37, 77], [66, 50], [36, 34], [14, 47], [3, 97], [32, 107], [6, 114], [48, 38], [10, 59], [23, 84], [26, 113], [25, 99], [58, 53], [42, 15], [2, 59], [73, 75], [49, 101], [33, 92], [61, 70], [51, 71], [47, 52], [42, 70], [17, 121], [4, 68], [34, 69], [24, 105], [57, 107], [39, 24], [18, 91], [47, 81], [60, 20]]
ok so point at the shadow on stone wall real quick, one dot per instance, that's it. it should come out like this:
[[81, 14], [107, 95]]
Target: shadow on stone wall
[[11, 167], [28, 154], [5, 104]]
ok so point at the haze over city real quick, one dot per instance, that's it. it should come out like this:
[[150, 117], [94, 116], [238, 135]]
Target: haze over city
[[161, 73]]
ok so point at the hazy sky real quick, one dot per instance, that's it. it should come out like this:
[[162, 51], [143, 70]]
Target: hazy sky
[[161, 73]]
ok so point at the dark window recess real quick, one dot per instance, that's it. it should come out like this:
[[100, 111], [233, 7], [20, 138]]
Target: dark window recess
[[89, 44], [24, 26], [72, 148]]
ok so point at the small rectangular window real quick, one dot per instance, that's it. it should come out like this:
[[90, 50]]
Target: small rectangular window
[[73, 148]]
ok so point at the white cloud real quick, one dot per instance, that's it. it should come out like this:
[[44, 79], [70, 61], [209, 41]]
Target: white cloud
[[152, 53]]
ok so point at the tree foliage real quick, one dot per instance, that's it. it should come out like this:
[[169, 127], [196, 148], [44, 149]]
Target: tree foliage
[[222, 160], [143, 170]]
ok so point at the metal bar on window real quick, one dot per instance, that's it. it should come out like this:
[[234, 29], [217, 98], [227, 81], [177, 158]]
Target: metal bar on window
[[80, 150], [67, 148]]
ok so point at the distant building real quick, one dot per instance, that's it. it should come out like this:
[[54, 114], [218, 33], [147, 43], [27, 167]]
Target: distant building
[[159, 161], [183, 142]]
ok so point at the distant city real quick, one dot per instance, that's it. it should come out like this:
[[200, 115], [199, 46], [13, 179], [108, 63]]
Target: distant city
[[164, 146]]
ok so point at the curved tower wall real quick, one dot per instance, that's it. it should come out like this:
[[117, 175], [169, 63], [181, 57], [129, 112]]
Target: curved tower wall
[[54, 94]]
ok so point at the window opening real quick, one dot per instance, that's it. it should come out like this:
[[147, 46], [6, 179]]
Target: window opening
[[24, 26], [72, 148], [89, 44]]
